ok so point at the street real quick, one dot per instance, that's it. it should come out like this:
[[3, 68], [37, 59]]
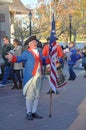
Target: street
[[68, 108]]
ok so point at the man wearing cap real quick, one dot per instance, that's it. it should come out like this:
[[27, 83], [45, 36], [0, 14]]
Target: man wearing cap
[[32, 76], [71, 62]]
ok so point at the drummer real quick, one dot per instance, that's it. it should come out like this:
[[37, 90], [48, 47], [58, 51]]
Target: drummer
[[45, 52], [60, 55]]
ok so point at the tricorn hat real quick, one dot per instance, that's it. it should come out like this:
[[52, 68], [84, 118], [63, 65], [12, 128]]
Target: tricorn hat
[[31, 38]]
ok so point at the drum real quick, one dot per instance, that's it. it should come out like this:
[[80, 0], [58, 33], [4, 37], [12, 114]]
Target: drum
[[61, 79]]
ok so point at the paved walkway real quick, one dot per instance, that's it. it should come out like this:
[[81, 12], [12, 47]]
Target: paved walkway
[[68, 108]]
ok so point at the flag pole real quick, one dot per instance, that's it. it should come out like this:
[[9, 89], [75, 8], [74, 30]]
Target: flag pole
[[53, 54], [50, 113]]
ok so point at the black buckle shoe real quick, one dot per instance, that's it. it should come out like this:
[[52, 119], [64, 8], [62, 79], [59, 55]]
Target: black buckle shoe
[[29, 116], [35, 115]]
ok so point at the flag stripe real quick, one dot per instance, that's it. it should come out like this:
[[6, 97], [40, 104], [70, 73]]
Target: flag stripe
[[53, 70]]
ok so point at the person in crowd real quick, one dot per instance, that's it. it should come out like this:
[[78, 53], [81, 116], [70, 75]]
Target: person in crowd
[[17, 67], [32, 76], [39, 46], [60, 55], [67, 53], [84, 60], [7, 65], [70, 60], [45, 53]]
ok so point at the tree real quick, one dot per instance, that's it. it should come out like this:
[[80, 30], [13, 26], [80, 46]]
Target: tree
[[42, 14]]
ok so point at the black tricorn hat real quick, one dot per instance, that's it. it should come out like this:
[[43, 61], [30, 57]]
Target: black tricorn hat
[[31, 38]]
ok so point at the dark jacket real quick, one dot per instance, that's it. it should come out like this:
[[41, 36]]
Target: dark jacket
[[5, 49]]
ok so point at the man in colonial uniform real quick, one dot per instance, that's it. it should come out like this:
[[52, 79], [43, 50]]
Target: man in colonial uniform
[[32, 76]]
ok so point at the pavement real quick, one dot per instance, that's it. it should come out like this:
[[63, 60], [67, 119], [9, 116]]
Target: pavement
[[68, 111]]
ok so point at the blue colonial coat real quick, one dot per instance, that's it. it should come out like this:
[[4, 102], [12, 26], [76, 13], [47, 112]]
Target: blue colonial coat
[[29, 61]]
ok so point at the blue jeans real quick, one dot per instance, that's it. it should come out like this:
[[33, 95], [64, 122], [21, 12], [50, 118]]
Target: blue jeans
[[17, 74], [8, 72], [71, 72]]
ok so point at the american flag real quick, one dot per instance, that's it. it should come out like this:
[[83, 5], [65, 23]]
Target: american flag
[[53, 55]]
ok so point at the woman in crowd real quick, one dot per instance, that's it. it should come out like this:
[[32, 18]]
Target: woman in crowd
[[17, 67]]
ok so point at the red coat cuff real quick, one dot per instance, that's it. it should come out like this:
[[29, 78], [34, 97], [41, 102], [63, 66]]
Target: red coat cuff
[[14, 59]]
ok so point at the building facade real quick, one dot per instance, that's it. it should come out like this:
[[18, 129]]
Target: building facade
[[9, 8]]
